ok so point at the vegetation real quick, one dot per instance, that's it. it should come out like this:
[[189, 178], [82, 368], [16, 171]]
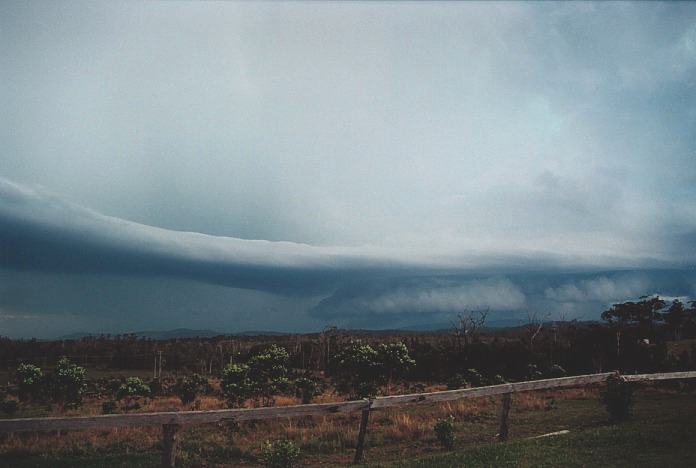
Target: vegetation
[[68, 383], [236, 384], [280, 454], [252, 371], [618, 399], [188, 388], [656, 439], [444, 431], [306, 389], [30, 382]]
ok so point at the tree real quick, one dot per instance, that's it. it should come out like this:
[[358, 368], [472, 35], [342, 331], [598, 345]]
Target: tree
[[467, 327], [535, 323], [394, 360], [30, 382], [268, 372], [68, 383], [188, 388], [236, 385], [358, 370], [641, 316], [676, 318]]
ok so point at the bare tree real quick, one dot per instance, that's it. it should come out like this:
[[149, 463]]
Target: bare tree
[[467, 327], [535, 323]]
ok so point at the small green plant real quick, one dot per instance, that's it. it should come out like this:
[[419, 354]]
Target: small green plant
[[533, 372], [618, 399], [133, 387], [456, 381], [556, 371], [30, 382], [498, 379], [188, 388], [236, 384], [358, 371], [444, 431], [109, 407], [280, 454], [474, 377], [69, 383], [306, 389]]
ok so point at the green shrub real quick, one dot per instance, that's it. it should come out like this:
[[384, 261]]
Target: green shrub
[[236, 384], [268, 372], [358, 371], [474, 377], [618, 399], [306, 389], [456, 381], [556, 371], [533, 372], [188, 388], [280, 454], [68, 383], [444, 431], [134, 387], [498, 379], [30, 382]]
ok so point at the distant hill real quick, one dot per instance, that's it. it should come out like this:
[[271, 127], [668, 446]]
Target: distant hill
[[173, 334]]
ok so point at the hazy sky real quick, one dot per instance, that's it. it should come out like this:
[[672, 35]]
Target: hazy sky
[[291, 165]]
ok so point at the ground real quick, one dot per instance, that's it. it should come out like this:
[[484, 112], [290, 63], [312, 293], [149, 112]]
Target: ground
[[662, 432]]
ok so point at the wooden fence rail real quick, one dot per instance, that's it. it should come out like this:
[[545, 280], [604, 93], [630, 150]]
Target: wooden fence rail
[[172, 421]]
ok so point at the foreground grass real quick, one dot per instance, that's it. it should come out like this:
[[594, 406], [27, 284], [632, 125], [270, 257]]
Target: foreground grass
[[663, 432], [652, 438]]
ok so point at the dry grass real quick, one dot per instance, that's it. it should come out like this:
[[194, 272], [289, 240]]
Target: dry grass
[[399, 432]]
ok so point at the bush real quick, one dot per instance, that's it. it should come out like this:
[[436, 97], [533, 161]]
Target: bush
[[134, 387], [358, 371], [188, 388], [556, 371], [268, 372], [109, 407], [444, 431], [280, 454], [235, 384], [533, 372], [498, 379], [456, 381], [30, 382], [69, 383], [394, 360], [9, 407], [618, 399], [306, 389], [474, 377]]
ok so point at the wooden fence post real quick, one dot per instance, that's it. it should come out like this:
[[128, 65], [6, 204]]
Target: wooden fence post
[[359, 448], [504, 413], [169, 442]]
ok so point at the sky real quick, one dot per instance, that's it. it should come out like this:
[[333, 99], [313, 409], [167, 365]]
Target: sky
[[287, 166]]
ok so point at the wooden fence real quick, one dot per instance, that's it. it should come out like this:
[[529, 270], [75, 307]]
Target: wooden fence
[[172, 421]]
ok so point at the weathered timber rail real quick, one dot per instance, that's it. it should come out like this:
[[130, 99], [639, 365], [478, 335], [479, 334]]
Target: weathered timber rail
[[172, 421]]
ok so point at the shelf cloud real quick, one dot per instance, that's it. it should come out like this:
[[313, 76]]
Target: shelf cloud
[[292, 165]]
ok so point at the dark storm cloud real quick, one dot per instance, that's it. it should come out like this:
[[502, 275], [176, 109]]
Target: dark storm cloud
[[41, 232], [352, 159]]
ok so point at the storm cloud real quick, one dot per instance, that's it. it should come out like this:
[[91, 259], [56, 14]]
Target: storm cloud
[[315, 163]]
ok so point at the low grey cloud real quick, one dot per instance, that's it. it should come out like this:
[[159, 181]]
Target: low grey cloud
[[602, 289], [423, 297]]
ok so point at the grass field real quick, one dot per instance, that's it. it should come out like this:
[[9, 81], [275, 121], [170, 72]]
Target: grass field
[[662, 433]]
